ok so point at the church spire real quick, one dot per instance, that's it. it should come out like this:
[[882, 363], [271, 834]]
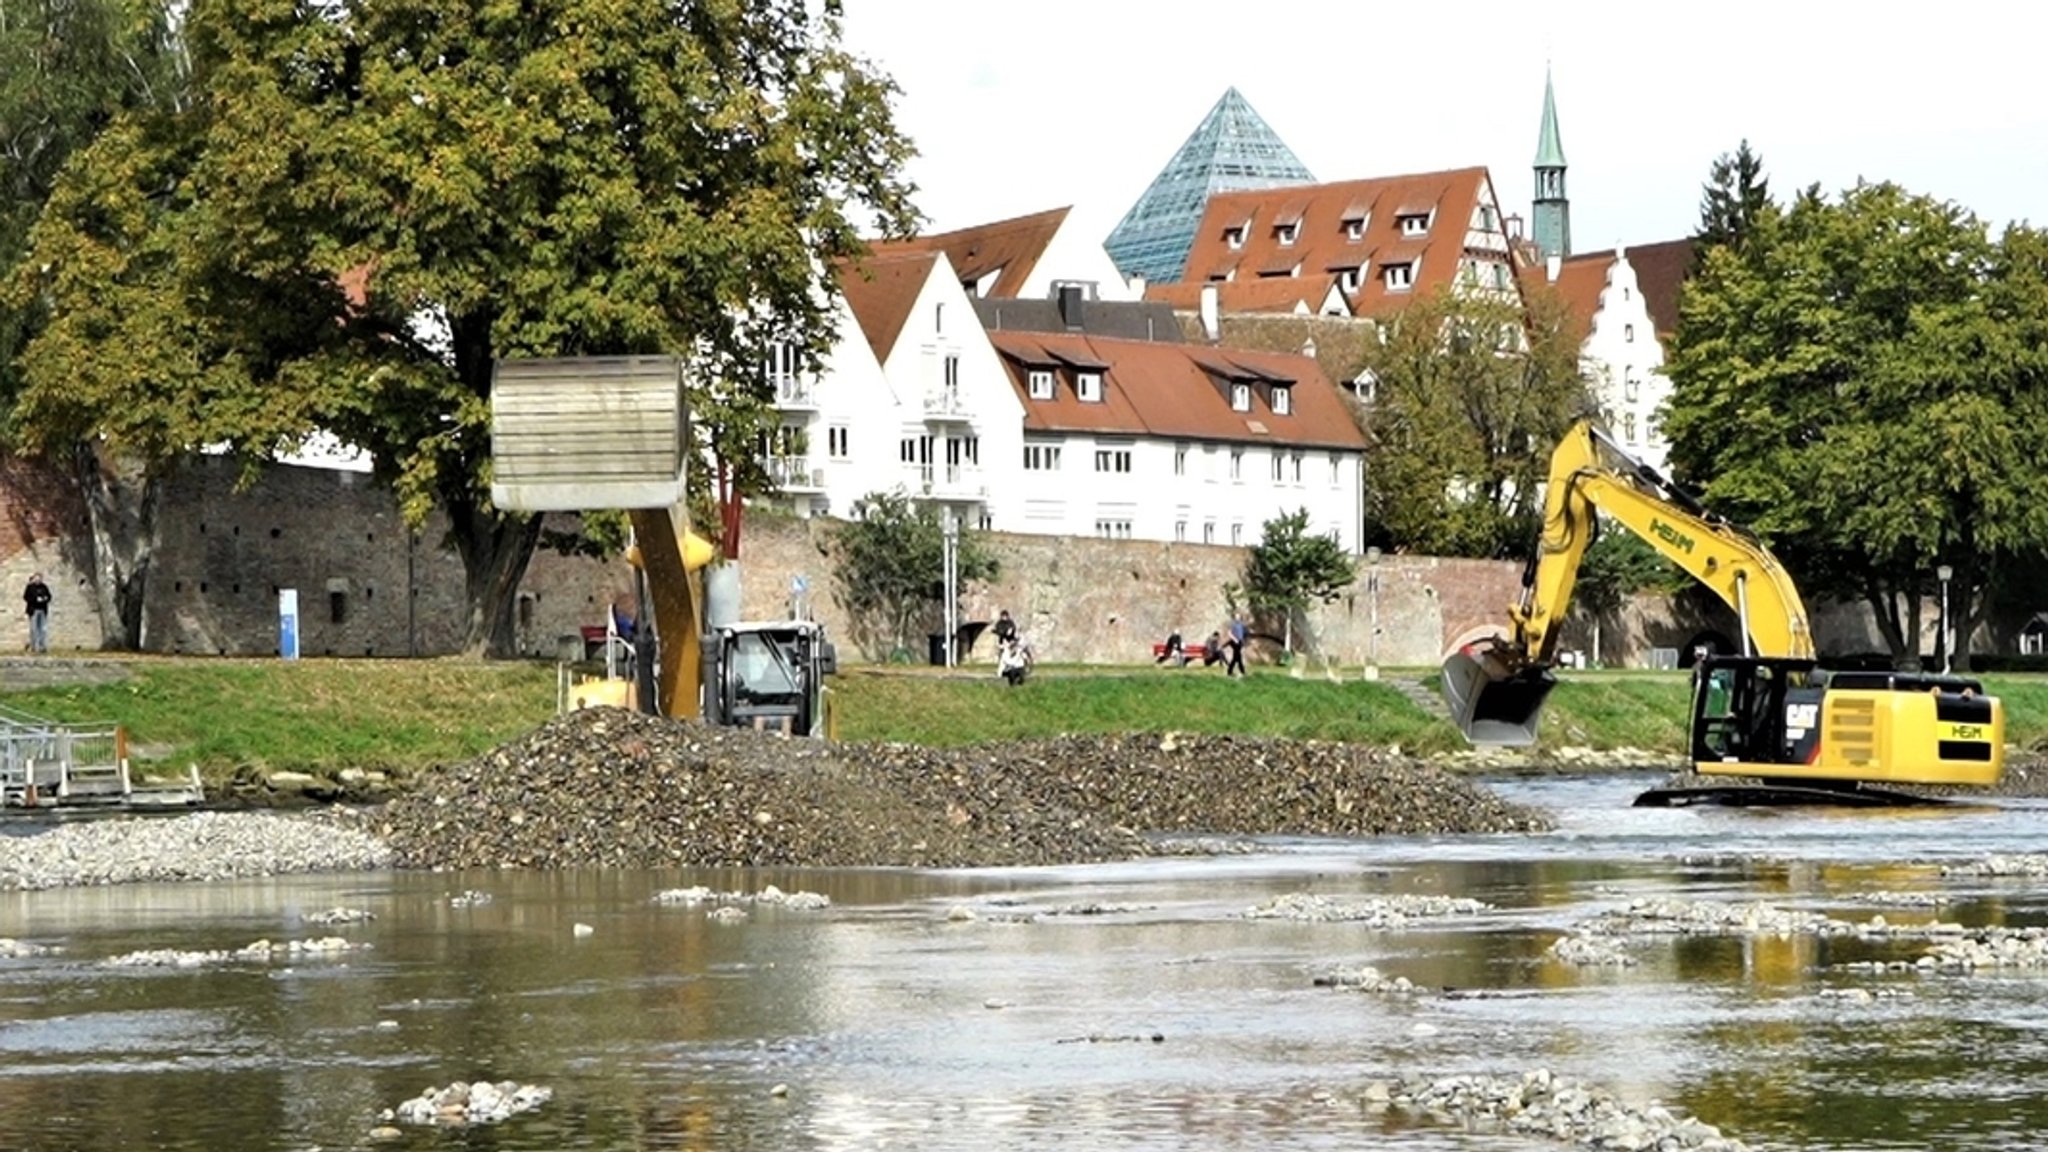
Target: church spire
[[1552, 208]]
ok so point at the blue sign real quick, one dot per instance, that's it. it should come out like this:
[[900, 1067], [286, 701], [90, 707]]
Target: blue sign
[[288, 623]]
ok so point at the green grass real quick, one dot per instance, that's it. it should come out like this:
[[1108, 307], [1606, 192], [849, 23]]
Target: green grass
[[399, 716]]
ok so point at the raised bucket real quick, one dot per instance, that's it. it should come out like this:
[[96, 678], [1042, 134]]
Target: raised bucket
[[1492, 707]]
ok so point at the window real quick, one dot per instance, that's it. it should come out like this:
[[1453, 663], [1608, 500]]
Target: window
[[1237, 463], [1112, 459], [1354, 228], [1180, 531], [1286, 233], [1487, 223], [916, 449], [1236, 533], [1113, 529], [1414, 224], [1400, 277], [1500, 276], [939, 318], [1628, 333], [1624, 295], [1628, 424], [1283, 400], [1234, 236], [836, 440], [1041, 384], [1089, 385], [1240, 397], [1180, 460], [1336, 469], [952, 372], [1041, 457], [1279, 467], [1208, 531], [1347, 279], [1629, 386], [1296, 461]]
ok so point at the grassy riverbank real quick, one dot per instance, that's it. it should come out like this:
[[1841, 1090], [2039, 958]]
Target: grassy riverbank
[[402, 715]]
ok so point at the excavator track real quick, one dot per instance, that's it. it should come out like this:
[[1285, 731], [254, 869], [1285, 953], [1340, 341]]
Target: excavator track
[[1792, 793]]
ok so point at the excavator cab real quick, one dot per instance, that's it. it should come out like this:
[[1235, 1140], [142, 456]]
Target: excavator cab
[[1492, 698]]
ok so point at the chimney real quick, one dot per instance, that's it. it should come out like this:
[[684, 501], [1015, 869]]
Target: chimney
[[1514, 223], [1552, 266], [1212, 322], [1308, 347], [1137, 287], [1071, 296]]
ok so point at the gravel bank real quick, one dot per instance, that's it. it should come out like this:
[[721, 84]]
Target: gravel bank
[[197, 846], [608, 787]]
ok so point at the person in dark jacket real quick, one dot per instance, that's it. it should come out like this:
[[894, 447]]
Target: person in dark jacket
[[36, 599]]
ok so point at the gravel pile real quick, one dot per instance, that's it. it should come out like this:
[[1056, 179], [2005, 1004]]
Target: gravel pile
[[196, 846], [608, 787], [1543, 1104]]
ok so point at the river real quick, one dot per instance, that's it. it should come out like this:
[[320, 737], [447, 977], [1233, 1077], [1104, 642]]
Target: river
[[1101, 1007]]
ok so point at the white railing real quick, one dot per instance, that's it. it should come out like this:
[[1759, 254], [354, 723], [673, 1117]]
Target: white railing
[[948, 481], [795, 392], [794, 472], [945, 402]]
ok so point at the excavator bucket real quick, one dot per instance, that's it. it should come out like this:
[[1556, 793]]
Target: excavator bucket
[[1494, 706]]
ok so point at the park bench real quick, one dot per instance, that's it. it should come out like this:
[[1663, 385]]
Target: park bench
[[1190, 653]]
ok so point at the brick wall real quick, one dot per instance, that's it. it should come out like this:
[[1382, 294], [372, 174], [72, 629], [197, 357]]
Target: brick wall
[[368, 587]]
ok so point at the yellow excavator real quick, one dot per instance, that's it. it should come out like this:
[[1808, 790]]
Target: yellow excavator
[[1770, 712], [578, 433]]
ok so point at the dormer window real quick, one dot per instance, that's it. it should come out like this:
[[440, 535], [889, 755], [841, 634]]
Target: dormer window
[[1285, 234], [1347, 279], [1283, 400], [1414, 223], [1088, 385], [1354, 228], [1400, 277], [1240, 397], [1040, 383], [1234, 236]]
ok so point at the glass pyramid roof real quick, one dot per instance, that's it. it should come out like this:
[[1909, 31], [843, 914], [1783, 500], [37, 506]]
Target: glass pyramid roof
[[1232, 150]]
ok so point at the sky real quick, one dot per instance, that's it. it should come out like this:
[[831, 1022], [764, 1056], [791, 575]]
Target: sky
[[1016, 108]]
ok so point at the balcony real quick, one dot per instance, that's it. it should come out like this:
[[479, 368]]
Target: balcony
[[947, 481], [945, 404], [794, 393], [795, 474]]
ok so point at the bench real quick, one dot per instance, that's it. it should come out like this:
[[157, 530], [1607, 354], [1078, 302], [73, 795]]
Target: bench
[[1189, 653]]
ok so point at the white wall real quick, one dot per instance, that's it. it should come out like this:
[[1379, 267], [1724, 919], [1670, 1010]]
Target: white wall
[[850, 394], [1626, 363], [1073, 257]]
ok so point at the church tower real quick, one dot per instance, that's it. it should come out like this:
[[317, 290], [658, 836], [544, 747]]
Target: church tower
[[1552, 208]]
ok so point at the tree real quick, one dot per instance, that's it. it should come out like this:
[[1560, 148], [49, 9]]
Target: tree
[[1735, 200], [1616, 566], [1470, 394], [369, 203], [890, 566], [1864, 388], [1288, 569], [69, 68]]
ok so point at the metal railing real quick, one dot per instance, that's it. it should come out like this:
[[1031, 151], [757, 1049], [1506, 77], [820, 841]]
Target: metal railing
[[44, 763]]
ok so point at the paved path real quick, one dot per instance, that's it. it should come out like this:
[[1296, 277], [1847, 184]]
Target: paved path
[[24, 671]]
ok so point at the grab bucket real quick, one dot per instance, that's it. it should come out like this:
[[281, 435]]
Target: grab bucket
[[1494, 707]]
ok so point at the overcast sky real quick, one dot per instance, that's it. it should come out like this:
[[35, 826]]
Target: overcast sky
[[1020, 107]]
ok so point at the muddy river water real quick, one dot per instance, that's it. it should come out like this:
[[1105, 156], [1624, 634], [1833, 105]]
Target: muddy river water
[[1101, 1007]]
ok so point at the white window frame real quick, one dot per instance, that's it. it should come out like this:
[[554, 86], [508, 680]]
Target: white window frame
[[1234, 237], [1180, 531], [1416, 224], [1628, 333], [1279, 467], [1283, 400], [1041, 456], [1113, 529], [1039, 383], [1286, 234], [1237, 465], [839, 442], [1399, 277], [1236, 533], [1354, 229], [1336, 470], [1088, 386], [1630, 384], [1113, 460], [1295, 459], [1347, 280], [1240, 396], [952, 371], [1208, 531], [1180, 459]]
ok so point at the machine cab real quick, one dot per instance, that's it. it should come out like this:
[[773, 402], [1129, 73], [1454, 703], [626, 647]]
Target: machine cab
[[769, 676], [1749, 711]]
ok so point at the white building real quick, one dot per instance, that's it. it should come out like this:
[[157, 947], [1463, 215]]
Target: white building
[[1026, 258], [1625, 301]]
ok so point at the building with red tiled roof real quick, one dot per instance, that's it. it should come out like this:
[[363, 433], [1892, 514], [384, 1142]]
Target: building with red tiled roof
[[1383, 241], [1175, 441], [1620, 315], [1026, 257]]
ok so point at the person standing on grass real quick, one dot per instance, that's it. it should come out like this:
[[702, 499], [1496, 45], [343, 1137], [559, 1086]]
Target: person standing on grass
[[1006, 629], [1238, 633], [36, 598]]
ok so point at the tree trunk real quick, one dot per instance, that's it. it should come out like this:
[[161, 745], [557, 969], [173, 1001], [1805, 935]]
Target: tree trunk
[[121, 501], [495, 549], [1884, 609]]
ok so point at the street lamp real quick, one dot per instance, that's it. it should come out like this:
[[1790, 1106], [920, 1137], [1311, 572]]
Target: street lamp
[[1372, 586], [1947, 643]]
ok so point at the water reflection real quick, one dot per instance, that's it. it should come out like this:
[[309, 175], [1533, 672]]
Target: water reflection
[[1118, 1006]]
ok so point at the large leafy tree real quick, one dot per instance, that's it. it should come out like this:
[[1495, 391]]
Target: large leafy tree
[[890, 566], [1864, 385], [1470, 393], [369, 202], [1735, 200]]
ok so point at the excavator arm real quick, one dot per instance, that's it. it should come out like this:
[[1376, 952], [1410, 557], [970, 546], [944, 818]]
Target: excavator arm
[[1496, 690]]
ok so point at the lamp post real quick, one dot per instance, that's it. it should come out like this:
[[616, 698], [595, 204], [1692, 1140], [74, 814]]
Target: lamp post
[[1947, 645], [1372, 586], [951, 557]]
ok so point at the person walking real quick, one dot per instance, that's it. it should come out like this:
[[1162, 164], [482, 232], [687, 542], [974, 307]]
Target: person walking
[[36, 598], [1006, 628], [1238, 633]]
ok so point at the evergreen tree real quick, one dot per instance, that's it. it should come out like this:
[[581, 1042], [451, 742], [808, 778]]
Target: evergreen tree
[[1736, 197]]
